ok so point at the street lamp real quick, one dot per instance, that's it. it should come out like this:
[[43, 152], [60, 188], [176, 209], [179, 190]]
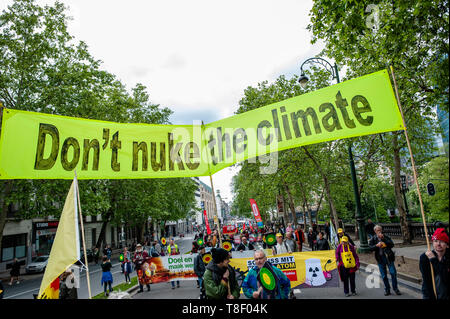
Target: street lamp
[[303, 80]]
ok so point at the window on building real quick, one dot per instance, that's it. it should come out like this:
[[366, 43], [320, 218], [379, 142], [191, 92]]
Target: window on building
[[13, 246]]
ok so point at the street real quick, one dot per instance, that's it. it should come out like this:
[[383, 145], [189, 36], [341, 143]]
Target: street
[[188, 288]]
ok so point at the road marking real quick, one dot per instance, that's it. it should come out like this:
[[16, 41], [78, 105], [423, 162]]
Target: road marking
[[29, 291], [22, 293]]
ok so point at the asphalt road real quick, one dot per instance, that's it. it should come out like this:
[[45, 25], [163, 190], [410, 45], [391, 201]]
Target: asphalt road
[[30, 284], [188, 288]]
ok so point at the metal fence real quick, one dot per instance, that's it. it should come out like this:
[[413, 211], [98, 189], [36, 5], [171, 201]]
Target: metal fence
[[394, 230]]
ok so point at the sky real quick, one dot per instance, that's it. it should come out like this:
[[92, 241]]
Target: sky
[[195, 57]]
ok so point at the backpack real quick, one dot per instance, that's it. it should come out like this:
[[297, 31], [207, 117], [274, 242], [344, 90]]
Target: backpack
[[347, 258]]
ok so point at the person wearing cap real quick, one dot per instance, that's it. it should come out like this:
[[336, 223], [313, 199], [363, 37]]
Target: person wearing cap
[[341, 234], [348, 264], [220, 279], [281, 247], [439, 259], [382, 245], [199, 265]]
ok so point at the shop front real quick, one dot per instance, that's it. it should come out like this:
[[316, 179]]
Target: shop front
[[43, 237]]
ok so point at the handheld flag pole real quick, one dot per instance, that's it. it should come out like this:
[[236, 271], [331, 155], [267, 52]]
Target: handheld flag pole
[[213, 194], [415, 175], [82, 237]]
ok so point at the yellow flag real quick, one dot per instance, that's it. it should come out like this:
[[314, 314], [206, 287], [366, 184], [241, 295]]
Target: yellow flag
[[66, 247]]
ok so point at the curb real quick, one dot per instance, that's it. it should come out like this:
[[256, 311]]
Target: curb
[[132, 291]]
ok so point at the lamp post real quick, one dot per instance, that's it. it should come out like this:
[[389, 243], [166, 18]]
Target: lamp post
[[303, 80]]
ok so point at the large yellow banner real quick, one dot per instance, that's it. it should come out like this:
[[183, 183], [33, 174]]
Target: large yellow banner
[[43, 146], [315, 269]]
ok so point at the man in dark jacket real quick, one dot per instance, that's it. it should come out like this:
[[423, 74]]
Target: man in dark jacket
[[219, 278], [322, 243], [440, 260], [382, 246], [245, 245], [199, 266]]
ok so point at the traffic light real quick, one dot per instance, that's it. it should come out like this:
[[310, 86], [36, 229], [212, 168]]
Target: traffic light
[[430, 189]]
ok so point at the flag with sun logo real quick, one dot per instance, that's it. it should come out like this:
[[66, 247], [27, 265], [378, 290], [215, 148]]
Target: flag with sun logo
[[270, 239], [227, 245], [268, 280], [207, 257], [66, 246]]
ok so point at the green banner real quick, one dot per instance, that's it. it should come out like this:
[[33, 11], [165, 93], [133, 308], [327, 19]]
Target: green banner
[[43, 146]]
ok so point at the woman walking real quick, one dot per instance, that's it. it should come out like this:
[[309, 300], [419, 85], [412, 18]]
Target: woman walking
[[348, 264], [107, 278]]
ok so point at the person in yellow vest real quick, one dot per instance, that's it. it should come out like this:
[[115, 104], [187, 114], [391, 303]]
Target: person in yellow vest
[[348, 264], [172, 249]]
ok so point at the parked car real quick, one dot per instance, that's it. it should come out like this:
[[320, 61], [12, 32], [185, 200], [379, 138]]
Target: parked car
[[38, 264]]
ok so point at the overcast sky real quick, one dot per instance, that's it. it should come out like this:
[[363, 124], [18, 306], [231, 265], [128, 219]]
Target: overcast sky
[[195, 56]]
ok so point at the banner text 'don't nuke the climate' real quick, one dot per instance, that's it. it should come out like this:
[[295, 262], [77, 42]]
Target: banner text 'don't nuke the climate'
[[42, 146]]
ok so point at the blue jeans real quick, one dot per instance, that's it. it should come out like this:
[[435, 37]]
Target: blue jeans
[[199, 281], [391, 266], [173, 283], [106, 284]]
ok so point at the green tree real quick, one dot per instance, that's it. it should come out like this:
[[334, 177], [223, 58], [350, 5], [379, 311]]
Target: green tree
[[43, 69], [436, 207], [413, 38]]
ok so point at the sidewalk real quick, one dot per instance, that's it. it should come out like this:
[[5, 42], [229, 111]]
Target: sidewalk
[[406, 262]]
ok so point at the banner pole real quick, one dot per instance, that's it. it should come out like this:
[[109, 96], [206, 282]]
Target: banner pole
[[82, 236], [213, 193], [415, 175]]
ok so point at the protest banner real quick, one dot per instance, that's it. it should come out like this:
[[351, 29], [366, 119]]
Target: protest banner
[[169, 268], [256, 214], [43, 146], [316, 269], [305, 270]]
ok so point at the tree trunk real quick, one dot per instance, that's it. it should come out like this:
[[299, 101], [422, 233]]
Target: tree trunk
[[304, 215], [327, 188], [291, 203], [305, 200], [318, 207], [4, 207], [102, 237], [398, 192]]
